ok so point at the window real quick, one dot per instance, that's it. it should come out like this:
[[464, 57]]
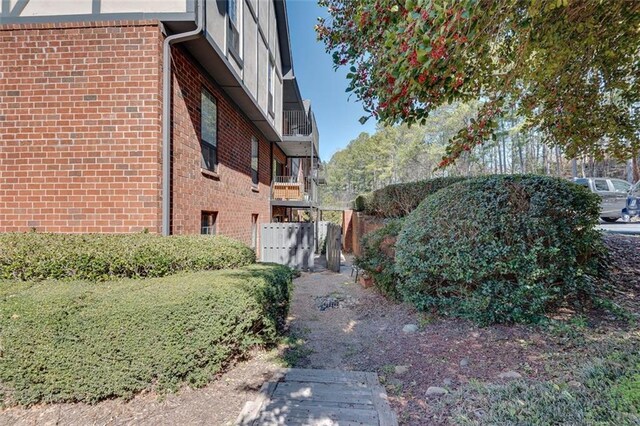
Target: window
[[208, 130], [208, 223], [601, 185], [620, 186], [582, 182], [254, 160], [233, 33], [270, 85], [254, 231]]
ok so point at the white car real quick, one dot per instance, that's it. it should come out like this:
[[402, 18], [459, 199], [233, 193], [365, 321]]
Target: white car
[[613, 193]]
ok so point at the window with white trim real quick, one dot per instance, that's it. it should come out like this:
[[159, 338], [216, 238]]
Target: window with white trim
[[254, 160], [208, 222], [271, 85], [234, 31], [208, 130]]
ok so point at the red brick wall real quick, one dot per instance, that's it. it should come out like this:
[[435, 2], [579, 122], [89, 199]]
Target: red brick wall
[[361, 225], [80, 127], [279, 155], [347, 231], [230, 193]]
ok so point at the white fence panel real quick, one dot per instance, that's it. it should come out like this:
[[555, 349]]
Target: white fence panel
[[289, 244]]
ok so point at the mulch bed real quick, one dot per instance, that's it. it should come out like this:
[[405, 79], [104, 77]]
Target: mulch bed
[[624, 268]]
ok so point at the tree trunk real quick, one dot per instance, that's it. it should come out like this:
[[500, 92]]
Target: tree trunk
[[522, 170], [504, 153]]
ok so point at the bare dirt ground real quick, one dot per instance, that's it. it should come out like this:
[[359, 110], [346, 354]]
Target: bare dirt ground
[[339, 324], [365, 332], [335, 323]]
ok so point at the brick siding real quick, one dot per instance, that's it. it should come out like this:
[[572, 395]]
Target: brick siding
[[80, 135], [230, 193], [80, 127], [278, 154]]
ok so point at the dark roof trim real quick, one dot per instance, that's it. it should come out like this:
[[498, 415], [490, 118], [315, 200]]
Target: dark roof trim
[[284, 39]]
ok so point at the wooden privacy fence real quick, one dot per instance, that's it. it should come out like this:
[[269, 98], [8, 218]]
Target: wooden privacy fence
[[322, 235], [334, 246], [290, 244]]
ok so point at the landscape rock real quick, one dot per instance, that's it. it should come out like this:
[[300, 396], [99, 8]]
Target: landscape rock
[[510, 375], [436, 391], [447, 382], [464, 362], [410, 328], [401, 369]]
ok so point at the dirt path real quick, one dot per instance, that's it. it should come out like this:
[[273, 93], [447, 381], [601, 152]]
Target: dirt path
[[339, 324]]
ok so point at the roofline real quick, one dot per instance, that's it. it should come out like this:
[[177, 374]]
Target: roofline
[[284, 37]]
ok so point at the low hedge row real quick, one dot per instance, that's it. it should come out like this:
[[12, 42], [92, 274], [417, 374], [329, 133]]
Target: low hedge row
[[77, 341], [501, 248], [399, 200], [38, 256]]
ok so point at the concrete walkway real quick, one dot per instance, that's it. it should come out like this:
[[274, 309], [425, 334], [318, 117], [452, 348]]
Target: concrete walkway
[[320, 398], [620, 227]]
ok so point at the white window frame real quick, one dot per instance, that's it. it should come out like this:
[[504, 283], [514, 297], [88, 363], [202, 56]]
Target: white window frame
[[237, 54], [271, 86], [255, 161]]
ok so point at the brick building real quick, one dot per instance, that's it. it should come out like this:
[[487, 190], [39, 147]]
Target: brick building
[[175, 116]]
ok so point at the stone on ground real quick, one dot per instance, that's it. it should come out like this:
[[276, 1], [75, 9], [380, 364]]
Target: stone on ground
[[510, 375], [401, 369], [436, 391], [410, 328]]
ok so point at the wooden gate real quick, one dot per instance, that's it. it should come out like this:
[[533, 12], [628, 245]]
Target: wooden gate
[[334, 246], [322, 235], [290, 244]]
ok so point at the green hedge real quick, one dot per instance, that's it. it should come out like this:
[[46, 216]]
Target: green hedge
[[401, 199], [360, 203], [501, 248], [378, 257], [78, 341], [38, 256]]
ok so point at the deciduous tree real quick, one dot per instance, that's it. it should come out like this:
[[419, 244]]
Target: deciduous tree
[[569, 67]]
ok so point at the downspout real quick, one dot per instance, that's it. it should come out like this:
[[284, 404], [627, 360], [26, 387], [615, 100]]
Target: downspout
[[166, 111]]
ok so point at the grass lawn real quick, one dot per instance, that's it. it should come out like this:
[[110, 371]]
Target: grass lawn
[[86, 341]]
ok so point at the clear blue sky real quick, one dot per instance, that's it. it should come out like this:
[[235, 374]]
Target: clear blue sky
[[337, 116]]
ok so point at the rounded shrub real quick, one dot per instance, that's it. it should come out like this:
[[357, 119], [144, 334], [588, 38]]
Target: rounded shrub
[[398, 200], [360, 203], [501, 248], [96, 257], [378, 256]]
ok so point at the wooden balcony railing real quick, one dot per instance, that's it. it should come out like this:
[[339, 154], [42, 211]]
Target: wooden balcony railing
[[289, 188]]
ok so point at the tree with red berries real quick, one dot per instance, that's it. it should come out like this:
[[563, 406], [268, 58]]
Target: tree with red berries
[[571, 68]]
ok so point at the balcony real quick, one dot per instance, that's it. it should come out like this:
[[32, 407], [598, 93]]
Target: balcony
[[292, 191], [296, 123], [299, 132]]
